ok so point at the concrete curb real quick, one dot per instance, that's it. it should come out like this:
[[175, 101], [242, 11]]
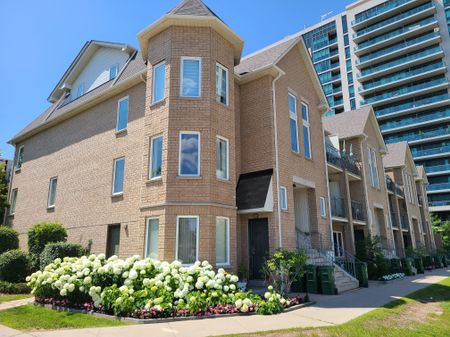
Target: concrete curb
[[162, 320]]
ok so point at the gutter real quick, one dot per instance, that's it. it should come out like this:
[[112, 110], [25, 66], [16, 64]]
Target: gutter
[[277, 171]]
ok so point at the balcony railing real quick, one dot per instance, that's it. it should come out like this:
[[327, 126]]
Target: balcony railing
[[439, 203], [342, 160], [338, 207], [390, 184], [397, 47], [394, 19], [405, 90], [401, 60], [394, 219], [437, 168], [380, 9], [402, 75], [412, 104], [430, 152], [438, 187], [399, 190], [351, 164], [405, 222], [407, 121], [396, 32], [419, 135], [334, 157], [358, 211]]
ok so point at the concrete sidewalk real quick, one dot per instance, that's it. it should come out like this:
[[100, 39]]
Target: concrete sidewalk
[[329, 310]]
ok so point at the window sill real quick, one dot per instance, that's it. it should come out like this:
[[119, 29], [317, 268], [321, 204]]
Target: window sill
[[116, 195], [17, 170], [154, 180], [194, 98], [285, 210], [158, 103], [226, 181], [11, 215], [223, 105], [120, 133], [223, 265], [190, 177], [51, 208]]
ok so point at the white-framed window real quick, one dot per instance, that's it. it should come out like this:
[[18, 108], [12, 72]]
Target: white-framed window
[[52, 192], [221, 84], [369, 157], [191, 77], [113, 71], [222, 158], [159, 82], [156, 144], [187, 239], [19, 159], [189, 154], [152, 238], [118, 176], [376, 176], [323, 207], [306, 131], [80, 90], [283, 198], [293, 121], [122, 114], [13, 202], [222, 241]]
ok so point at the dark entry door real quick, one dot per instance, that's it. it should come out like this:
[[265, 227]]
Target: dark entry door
[[258, 236]]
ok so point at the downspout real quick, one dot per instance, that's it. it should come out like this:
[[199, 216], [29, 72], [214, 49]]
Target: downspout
[[277, 171]]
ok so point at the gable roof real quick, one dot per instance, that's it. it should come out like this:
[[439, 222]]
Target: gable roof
[[399, 155], [65, 108], [351, 124], [192, 7], [192, 13], [265, 57], [81, 60], [421, 174]]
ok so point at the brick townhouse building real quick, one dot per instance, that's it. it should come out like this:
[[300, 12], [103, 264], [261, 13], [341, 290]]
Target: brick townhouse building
[[185, 150], [178, 150]]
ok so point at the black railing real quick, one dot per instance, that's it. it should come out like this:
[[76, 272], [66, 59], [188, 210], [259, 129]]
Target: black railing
[[394, 219], [390, 184], [399, 190], [338, 207], [358, 211], [334, 157], [351, 164], [405, 222]]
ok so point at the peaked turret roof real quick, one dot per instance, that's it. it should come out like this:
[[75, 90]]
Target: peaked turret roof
[[192, 7]]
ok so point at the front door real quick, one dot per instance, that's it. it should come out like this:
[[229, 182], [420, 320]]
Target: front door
[[113, 240], [258, 239], [338, 244]]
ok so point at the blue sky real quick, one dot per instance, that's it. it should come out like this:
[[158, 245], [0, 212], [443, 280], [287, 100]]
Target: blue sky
[[40, 39]]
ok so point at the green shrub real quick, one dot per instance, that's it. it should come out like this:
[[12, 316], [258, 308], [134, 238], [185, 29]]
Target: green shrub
[[60, 250], [9, 239], [14, 288], [370, 251], [41, 234], [14, 266]]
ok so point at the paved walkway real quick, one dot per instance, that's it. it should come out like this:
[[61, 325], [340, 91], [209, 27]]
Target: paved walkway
[[13, 304], [329, 310]]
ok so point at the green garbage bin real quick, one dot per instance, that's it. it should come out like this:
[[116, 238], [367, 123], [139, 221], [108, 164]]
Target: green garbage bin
[[312, 284], [299, 286], [437, 261], [444, 261], [362, 274], [396, 266], [418, 263], [407, 267], [427, 262], [326, 277]]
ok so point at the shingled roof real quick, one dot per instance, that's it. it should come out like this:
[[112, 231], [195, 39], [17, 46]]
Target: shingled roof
[[192, 7], [396, 156], [266, 57], [60, 108], [349, 124]]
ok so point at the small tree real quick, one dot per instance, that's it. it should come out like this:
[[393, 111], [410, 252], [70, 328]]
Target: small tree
[[285, 267], [9, 239], [3, 191], [441, 228], [370, 251], [41, 234]]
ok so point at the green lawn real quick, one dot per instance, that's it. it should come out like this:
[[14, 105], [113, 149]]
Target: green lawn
[[31, 318], [425, 313], [8, 298]]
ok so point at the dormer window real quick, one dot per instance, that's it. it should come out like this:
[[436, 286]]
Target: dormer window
[[80, 90], [113, 71]]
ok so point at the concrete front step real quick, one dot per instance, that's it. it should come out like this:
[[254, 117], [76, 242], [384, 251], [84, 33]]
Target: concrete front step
[[347, 286]]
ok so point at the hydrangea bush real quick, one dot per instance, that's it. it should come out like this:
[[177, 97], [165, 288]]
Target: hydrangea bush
[[392, 277], [148, 288]]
